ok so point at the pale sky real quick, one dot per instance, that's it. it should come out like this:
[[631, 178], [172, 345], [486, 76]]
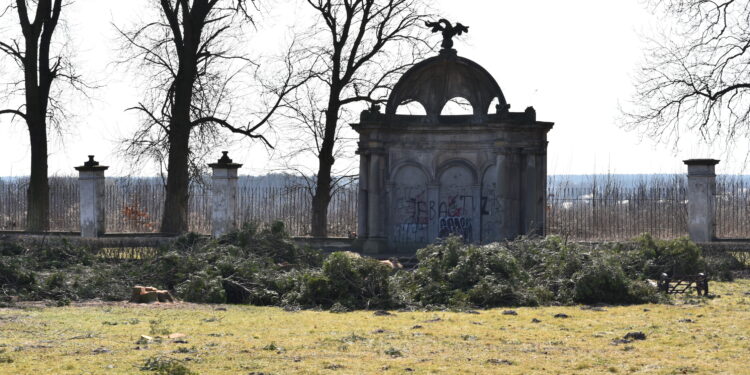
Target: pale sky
[[574, 61]]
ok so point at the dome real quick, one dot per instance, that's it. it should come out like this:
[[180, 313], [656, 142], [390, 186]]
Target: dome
[[437, 80]]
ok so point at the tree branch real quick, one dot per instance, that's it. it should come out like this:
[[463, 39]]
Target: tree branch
[[248, 132], [14, 112]]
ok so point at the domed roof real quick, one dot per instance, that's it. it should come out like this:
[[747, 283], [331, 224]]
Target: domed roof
[[437, 80]]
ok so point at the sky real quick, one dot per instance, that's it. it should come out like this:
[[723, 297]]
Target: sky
[[574, 61]]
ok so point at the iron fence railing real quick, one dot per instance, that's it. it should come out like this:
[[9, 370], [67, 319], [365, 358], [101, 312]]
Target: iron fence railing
[[593, 212], [616, 214], [732, 208]]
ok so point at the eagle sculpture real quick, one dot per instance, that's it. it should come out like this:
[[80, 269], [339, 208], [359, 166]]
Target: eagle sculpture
[[448, 30]]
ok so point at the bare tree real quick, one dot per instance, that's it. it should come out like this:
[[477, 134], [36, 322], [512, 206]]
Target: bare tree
[[44, 71], [358, 49], [190, 56], [696, 78]]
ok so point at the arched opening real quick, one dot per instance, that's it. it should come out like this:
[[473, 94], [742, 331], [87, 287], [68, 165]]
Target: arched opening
[[411, 108], [456, 107], [409, 211], [456, 201], [493, 106]]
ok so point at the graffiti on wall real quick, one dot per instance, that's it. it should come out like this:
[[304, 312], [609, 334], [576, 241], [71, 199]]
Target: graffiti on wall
[[452, 210], [410, 214], [409, 218], [455, 216], [455, 210]]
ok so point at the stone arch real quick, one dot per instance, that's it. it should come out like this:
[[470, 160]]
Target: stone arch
[[458, 162], [397, 167], [411, 108], [408, 199], [457, 106], [457, 199], [442, 77]]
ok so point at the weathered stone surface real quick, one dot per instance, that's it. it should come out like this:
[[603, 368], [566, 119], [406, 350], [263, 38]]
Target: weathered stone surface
[[224, 195], [91, 191], [422, 177], [701, 190]]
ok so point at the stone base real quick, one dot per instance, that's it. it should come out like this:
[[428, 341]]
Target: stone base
[[375, 245]]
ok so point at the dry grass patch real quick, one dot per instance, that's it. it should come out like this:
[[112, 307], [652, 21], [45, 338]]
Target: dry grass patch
[[693, 336]]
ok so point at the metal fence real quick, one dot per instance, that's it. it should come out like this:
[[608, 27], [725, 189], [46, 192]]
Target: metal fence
[[64, 214], [732, 208], [594, 212], [136, 206], [617, 213]]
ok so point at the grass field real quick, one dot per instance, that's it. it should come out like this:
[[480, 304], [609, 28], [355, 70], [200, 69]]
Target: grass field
[[693, 336]]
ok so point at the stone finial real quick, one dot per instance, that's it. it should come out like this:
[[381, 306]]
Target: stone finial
[[91, 165], [370, 114], [448, 30], [530, 113], [91, 162], [225, 158], [225, 162]]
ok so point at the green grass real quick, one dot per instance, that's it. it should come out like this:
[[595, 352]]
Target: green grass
[[255, 340]]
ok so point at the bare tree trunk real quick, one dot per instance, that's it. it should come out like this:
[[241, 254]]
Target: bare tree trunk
[[40, 70], [37, 195], [352, 67], [175, 216], [180, 50], [322, 197]]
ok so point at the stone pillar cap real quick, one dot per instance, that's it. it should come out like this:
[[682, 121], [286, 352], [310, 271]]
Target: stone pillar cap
[[701, 162], [91, 165], [225, 162]]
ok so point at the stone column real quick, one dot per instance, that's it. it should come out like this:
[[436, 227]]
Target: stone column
[[700, 194], [224, 195], [534, 192], [376, 241], [508, 192], [362, 211], [91, 189], [542, 194]]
